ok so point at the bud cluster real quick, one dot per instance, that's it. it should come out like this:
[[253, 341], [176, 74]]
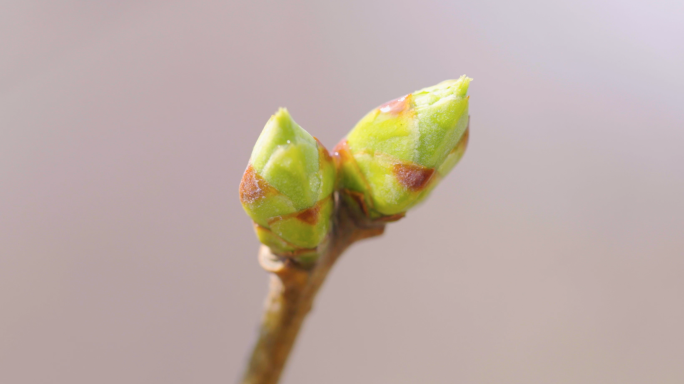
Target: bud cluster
[[389, 162]]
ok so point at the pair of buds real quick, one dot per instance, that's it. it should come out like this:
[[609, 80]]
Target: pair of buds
[[389, 162]]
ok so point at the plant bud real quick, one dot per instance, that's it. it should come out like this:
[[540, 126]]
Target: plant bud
[[398, 152], [287, 188]]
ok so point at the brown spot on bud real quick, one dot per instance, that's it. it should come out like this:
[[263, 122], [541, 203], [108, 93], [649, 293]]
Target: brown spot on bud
[[396, 106], [309, 216], [323, 152], [253, 187], [412, 176]]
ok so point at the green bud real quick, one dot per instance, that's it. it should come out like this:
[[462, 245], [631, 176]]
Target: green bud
[[287, 188], [398, 152]]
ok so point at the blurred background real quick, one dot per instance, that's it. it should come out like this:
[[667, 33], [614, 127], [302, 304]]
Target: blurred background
[[554, 253]]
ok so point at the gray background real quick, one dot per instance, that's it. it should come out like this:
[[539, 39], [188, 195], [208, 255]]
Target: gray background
[[552, 254]]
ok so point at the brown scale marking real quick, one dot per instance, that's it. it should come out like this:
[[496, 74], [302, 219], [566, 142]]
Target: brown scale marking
[[412, 176], [323, 150], [309, 216], [391, 218], [396, 106], [253, 187], [341, 152], [358, 198]]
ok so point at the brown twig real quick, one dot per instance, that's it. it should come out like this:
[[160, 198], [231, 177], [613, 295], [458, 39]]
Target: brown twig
[[293, 288]]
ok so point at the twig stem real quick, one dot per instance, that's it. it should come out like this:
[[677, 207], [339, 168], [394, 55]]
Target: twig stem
[[292, 291]]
